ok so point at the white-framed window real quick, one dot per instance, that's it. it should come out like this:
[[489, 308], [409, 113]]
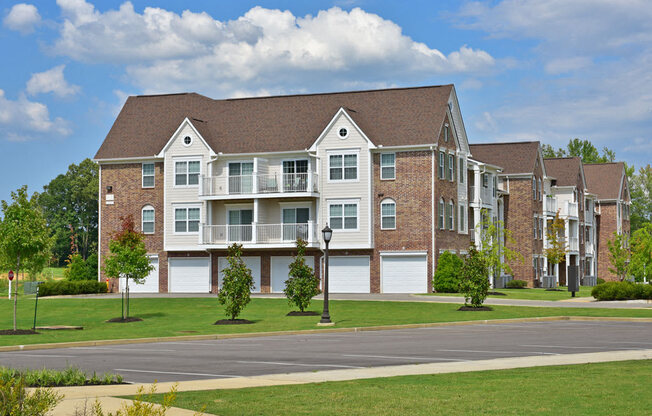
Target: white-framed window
[[540, 228], [535, 227], [441, 213], [442, 162], [148, 175], [461, 168], [450, 215], [343, 132], [461, 217], [534, 188], [187, 141], [343, 167], [186, 219], [540, 190], [388, 214], [495, 185], [388, 166], [343, 215], [451, 167], [446, 133], [147, 219], [485, 180], [186, 172]]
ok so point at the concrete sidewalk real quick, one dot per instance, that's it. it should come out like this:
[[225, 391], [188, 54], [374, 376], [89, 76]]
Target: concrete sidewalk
[[76, 397]]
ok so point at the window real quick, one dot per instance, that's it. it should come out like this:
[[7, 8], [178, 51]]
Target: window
[[446, 133], [148, 175], [343, 167], [451, 167], [441, 165], [147, 219], [450, 213], [295, 175], [534, 188], [462, 167], [241, 179], [186, 220], [540, 190], [540, 228], [461, 217], [343, 132], [240, 228], [187, 141], [495, 184], [535, 228], [343, 215], [485, 180], [295, 223], [388, 215], [441, 214], [388, 166], [186, 173]]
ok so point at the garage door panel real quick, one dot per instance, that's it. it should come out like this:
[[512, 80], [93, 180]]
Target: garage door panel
[[348, 274], [189, 275], [149, 284], [253, 263], [280, 267], [404, 274]]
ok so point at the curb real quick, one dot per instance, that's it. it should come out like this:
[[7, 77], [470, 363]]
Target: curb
[[95, 343]]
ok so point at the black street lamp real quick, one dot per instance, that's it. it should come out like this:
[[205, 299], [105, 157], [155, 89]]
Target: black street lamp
[[327, 233]]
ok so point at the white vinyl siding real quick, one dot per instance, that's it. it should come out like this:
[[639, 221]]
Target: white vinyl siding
[[388, 166], [388, 215], [147, 220], [148, 175]]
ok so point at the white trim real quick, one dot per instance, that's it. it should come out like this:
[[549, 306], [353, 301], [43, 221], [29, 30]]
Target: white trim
[[183, 141], [178, 130], [148, 207], [295, 205], [387, 201], [99, 226], [370, 199], [187, 159], [341, 111], [343, 153], [185, 205], [339, 136], [121, 160], [403, 253], [142, 175], [433, 222]]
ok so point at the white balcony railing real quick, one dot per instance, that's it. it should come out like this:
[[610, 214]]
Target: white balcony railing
[[570, 209], [551, 205], [486, 194], [259, 233], [589, 248], [574, 244], [260, 184]]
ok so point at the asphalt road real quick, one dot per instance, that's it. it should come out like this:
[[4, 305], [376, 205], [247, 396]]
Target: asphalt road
[[191, 360]]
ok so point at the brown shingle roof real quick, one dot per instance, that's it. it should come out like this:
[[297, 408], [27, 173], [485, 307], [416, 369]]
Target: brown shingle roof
[[564, 169], [401, 116], [513, 157], [604, 179]]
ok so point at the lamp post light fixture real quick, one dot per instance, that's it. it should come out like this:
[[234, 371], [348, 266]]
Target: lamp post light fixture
[[325, 316]]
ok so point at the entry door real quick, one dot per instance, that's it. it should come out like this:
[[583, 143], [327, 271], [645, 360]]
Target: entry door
[[241, 180], [295, 175], [295, 223], [240, 225]]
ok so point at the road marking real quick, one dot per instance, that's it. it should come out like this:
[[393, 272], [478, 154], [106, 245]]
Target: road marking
[[298, 364], [503, 352], [176, 373], [405, 358], [121, 349], [20, 354], [560, 346]]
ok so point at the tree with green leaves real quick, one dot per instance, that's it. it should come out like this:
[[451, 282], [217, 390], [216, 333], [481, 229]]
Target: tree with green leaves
[[583, 149], [640, 186], [302, 285], [237, 283], [495, 246], [127, 257], [24, 235], [556, 235], [641, 243], [474, 284], [447, 275], [618, 256]]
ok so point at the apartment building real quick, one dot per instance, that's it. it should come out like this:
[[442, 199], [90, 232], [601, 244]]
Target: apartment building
[[385, 169]]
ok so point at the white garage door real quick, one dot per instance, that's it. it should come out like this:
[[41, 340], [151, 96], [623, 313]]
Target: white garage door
[[348, 274], [189, 275], [149, 285], [252, 262], [280, 266], [404, 274]]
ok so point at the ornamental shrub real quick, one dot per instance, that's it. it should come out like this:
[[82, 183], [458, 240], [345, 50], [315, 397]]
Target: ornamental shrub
[[302, 285], [447, 275], [71, 287], [599, 281], [475, 278], [516, 284], [16, 401], [237, 283], [621, 291], [79, 269]]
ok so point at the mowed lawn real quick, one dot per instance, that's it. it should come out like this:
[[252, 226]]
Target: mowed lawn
[[531, 294], [619, 388], [189, 316]]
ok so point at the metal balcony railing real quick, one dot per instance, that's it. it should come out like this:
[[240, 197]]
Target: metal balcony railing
[[486, 194], [259, 233], [285, 183]]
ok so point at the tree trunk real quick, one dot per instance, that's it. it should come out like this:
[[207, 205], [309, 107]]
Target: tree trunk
[[16, 291]]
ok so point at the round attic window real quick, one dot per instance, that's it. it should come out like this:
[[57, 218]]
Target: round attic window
[[344, 132], [187, 140]]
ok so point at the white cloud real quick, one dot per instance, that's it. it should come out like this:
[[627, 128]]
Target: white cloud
[[22, 18], [263, 50], [23, 119], [52, 81]]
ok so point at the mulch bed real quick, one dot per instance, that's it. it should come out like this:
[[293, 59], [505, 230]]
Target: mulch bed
[[555, 290], [122, 321], [304, 313], [232, 322], [17, 332], [497, 293], [471, 308]]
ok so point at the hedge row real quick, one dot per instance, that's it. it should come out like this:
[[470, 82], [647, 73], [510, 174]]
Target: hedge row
[[71, 287], [622, 291]]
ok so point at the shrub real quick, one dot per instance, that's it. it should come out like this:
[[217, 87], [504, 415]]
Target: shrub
[[15, 400], [237, 283], [516, 284], [447, 276], [621, 291], [71, 287], [71, 376], [78, 268], [599, 281], [302, 285], [475, 278]]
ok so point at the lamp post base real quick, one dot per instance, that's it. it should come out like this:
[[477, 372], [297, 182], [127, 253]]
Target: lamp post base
[[329, 323]]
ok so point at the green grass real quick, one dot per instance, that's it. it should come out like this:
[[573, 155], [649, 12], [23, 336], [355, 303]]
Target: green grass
[[531, 294], [189, 316], [586, 389]]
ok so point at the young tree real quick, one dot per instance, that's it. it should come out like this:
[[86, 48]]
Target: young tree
[[556, 241], [618, 256], [495, 242], [24, 235], [641, 265], [474, 283], [237, 283], [302, 285], [583, 149], [128, 257], [447, 276], [640, 186]]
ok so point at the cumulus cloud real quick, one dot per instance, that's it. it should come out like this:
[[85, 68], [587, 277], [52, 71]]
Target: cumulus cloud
[[22, 18], [263, 50], [52, 81], [23, 119]]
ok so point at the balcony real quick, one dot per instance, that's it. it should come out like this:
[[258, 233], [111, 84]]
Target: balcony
[[267, 185], [574, 244], [551, 206], [259, 234], [569, 209], [486, 194], [589, 248]]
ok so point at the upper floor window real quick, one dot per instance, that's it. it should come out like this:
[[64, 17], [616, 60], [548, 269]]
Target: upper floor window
[[388, 215], [186, 173], [343, 215], [147, 219], [462, 169], [442, 162], [461, 217], [540, 228], [450, 210], [186, 220], [485, 180], [451, 167], [534, 188], [343, 167], [446, 133], [388, 166], [441, 213], [540, 190], [148, 175], [535, 227], [495, 186]]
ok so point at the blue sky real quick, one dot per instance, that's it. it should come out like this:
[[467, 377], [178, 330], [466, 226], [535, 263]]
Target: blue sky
[[546, 70]]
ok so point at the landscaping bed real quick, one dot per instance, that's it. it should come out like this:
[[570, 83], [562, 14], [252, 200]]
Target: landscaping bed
[[530, 294], [71, 376]]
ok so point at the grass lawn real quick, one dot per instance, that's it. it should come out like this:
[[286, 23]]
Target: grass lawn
[[620, 388], [188, 316], [530, 294]]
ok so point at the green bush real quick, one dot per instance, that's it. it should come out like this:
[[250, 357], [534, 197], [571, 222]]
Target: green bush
[[621, 291], [237, 283], [302, 285], [599, 281], [80, 269], [475, 279], [447, 275], [516, 284], [15, 401], [71, 287], [71, 376]]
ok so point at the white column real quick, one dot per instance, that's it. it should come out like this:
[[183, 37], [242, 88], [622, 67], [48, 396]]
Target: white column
[[254, 222]]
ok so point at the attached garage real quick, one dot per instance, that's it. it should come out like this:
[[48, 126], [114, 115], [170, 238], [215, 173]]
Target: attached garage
[[404, 273], [348, 274], [149, 285], [253, 263], [189, 274], [280, 267]]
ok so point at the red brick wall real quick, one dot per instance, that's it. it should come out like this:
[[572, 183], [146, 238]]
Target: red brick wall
[[607, 227]]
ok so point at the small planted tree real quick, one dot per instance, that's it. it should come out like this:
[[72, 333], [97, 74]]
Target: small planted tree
[[618, 256], [641, 266], [474, 283], [237, 283], [128, 258], [302, 285], [495, 242], [447, 275], [556, 251]]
